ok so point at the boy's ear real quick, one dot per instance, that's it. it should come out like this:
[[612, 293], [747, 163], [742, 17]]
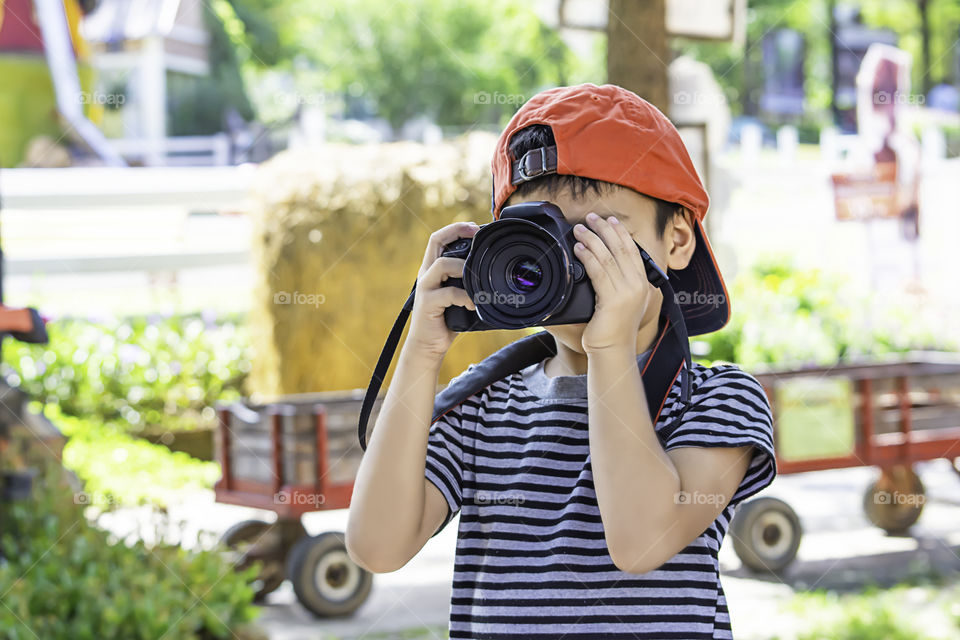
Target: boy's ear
[[681, 239]]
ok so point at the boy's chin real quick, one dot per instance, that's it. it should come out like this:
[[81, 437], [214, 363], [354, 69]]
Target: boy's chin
[[570, 335]]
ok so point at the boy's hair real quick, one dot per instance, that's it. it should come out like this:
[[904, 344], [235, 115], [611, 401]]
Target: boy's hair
[[539, 135]]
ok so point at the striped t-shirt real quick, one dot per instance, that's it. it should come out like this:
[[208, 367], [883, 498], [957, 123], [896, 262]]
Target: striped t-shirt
[[531, 558]]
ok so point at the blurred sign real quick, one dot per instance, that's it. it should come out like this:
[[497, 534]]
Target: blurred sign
[[888, 188], [698, 19], [869, 194], [783, 54], [851, 41], [708, 19]]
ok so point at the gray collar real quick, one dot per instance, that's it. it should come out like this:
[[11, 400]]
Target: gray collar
[[563, 387]]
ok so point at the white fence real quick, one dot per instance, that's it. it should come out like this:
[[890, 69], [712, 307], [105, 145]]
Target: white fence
[[86, 239], [178, 151]]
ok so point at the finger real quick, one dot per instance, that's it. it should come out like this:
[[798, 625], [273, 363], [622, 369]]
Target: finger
[[599, 250], [444, 236], [630, 245], [442, 268], [436, 300], [599, 277], [614, 242]]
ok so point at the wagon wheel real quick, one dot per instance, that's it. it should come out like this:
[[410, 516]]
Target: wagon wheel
[[766, 534], [327, 582], [895, 500], [266, 543]]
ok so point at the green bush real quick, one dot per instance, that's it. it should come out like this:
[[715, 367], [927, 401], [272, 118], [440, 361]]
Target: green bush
[[865, 622], [119, 470], [140, 371], [65, 579], [872, 614], [784, 315]]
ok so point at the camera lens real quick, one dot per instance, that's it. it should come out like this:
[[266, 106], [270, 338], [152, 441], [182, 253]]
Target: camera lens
[[518, 273], [525, 274]]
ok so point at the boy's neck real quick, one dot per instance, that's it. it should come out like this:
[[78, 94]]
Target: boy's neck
[[568, 362]]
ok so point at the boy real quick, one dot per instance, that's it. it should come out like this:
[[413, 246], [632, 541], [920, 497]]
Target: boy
[[581, 517]]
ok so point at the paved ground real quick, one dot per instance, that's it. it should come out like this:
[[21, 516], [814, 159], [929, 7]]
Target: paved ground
[[840, 550]]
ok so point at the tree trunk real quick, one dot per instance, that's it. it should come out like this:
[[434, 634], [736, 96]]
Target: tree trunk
[[637, 53]]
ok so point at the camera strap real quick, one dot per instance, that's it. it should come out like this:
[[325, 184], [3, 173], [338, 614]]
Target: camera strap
[[669, 357]]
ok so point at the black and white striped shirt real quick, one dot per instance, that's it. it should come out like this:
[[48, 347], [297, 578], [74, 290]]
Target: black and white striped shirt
[[531, 558]]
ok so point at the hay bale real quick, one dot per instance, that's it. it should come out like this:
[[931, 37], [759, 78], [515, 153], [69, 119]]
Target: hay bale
[[339, 237]]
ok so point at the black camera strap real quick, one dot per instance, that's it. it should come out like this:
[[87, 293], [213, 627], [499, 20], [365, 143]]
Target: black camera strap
[[670, 355]]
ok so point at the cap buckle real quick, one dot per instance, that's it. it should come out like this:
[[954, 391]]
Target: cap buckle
[[522, 165]]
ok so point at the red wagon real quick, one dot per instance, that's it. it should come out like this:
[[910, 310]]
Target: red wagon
[[292, 456], [879, 413]]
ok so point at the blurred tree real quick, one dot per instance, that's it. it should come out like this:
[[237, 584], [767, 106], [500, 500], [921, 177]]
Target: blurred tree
[[933, 45], [257, 25], [456, 62], [198, 105], [637, 52]]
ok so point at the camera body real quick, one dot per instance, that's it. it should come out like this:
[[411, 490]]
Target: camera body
[[520, 271]]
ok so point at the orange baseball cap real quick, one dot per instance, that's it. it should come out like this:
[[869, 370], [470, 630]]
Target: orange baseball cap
[[610, 134]]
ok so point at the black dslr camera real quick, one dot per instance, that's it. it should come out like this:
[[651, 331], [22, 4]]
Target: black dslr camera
[[521, 272]]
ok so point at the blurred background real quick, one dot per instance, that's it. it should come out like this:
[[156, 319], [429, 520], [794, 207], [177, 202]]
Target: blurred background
[[211, 207]]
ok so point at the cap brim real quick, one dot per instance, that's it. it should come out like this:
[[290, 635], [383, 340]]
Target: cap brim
[[700, 291]]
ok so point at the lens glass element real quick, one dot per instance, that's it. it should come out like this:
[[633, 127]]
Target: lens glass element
[[525, 274]]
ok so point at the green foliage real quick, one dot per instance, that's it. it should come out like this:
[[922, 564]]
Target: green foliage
[[197, 105], [866, 623], [458, 62], [785, 315], [119, 470], [903, 17], [448, 59], [66, 579], [144, 370], [870, 615], [251, 26]]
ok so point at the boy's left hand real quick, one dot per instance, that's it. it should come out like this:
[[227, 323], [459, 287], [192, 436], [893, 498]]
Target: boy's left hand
[[613, 263]]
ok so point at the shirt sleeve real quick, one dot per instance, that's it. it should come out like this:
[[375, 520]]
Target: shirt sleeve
[[444, 464], [730, 409]]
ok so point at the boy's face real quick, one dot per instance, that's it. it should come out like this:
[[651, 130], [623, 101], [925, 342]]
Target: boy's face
[[638, 213]]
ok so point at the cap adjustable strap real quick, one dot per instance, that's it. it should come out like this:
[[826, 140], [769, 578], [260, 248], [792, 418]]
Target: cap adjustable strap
[[534, 163]]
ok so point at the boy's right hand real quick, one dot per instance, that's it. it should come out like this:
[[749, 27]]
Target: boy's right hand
[[429, 334]]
